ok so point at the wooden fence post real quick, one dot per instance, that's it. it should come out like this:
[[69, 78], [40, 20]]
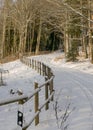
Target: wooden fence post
[[51, 89], [46, 94], [36, 104], [49, 72], [30, 63], [20, 111], [43, 68], [40, 68], [26, 61], [1, 79], [35, 64], [51, 82], [46, 71]]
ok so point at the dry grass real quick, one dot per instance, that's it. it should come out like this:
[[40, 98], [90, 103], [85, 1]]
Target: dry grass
[[16, 56], [59, 58], [81, 57], [8, 59]]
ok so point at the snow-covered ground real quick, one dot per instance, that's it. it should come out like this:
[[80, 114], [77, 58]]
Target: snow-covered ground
[[72, 108]]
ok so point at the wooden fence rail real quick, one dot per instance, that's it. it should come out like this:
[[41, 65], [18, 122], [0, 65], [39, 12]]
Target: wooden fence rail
[[45, 71]]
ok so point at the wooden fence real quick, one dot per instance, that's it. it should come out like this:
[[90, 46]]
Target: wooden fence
[[45, 71]]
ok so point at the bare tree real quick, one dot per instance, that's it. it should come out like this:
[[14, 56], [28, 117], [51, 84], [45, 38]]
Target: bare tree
[[31, 20], [22, 15]]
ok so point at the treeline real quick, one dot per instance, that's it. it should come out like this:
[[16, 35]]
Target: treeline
[[79, 29], [38, 25], [28, 26]]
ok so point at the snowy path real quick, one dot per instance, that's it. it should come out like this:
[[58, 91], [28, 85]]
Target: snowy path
[[73, 88], [79, 88]]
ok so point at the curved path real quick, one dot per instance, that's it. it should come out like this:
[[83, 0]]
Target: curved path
[[78, 86], [73, 88], [73, 95]]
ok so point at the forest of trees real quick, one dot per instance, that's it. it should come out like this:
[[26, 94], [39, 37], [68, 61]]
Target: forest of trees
[[28, 26]]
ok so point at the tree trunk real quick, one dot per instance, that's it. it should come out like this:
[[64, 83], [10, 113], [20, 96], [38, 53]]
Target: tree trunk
[[38, 38], [22, 43], [89, 31], [3, 39], [32, 36], [66, 36]]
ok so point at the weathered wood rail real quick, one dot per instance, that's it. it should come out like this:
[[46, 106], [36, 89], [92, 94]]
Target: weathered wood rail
[[45, 71]]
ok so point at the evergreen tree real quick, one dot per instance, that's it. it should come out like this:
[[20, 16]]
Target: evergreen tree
[[73, 51]]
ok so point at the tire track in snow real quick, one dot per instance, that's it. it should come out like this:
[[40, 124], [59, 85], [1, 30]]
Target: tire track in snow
[[80, 87], [81, 82], [76, 78]]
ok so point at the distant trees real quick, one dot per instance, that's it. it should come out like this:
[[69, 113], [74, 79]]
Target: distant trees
[[79, 27], [33, 26], [26, 26]]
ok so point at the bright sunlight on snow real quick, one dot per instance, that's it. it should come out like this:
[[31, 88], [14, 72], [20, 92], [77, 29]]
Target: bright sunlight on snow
[[72, 108]]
